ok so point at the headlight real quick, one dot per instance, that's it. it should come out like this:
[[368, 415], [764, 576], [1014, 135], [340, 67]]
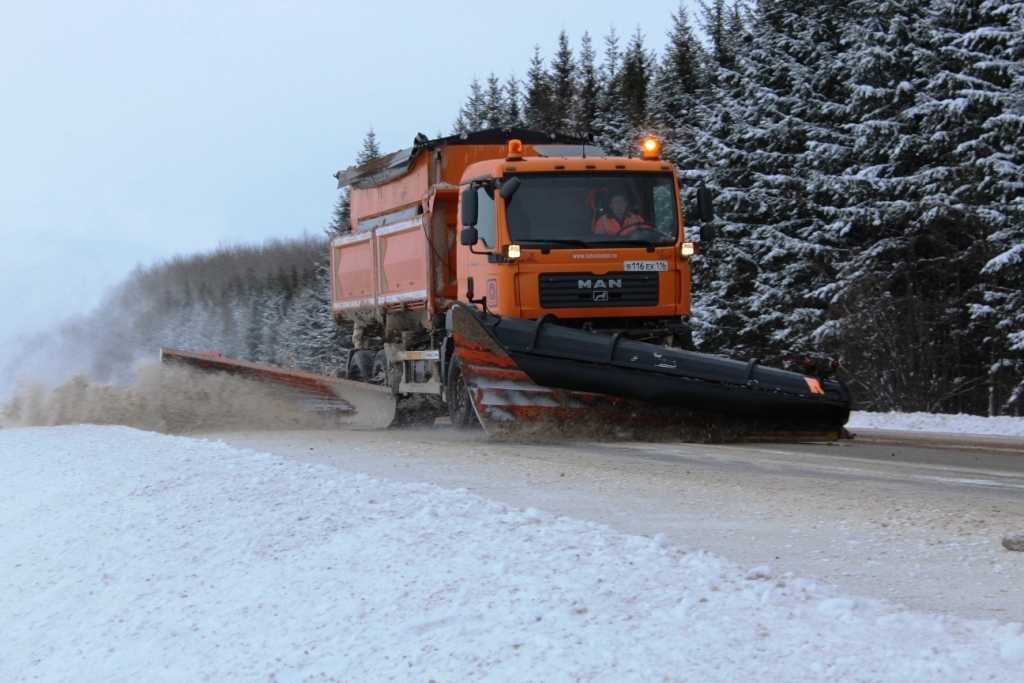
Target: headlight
[[513, 251], [687, 249]]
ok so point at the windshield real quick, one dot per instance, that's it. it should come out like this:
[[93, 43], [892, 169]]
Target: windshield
[[574, 209]]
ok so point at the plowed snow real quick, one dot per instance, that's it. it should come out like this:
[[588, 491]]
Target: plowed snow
[[165, 399]]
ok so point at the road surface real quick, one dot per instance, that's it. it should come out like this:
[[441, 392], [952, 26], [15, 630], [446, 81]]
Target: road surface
[[912, 523]]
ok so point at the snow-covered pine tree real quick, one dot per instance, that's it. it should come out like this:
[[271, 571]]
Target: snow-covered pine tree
[[273, 316], [1000, 314], [341, 216], [563, 85], [887, 59], [960, 204], [370, 149], [538, 110], [310, 339], [253, 341], [679, 97], [494, 114], [637, 69], [720, 23], [587, 91], [611, 125], [736, 27], [923, 205], [232, 311], [762, 293], [981, 45], [472, 116], [511, 107], [680, 75]]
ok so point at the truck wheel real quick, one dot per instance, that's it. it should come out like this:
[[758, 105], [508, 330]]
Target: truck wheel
[[379, 374], [683, 340], [460, 406], [360, 365]]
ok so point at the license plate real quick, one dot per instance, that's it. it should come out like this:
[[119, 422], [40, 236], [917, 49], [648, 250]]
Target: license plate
[[648, 266]]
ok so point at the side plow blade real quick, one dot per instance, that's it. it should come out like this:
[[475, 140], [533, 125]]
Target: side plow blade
[[358, 404], [539, 378]]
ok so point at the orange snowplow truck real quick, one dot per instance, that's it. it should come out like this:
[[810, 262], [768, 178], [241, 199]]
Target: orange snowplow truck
[[538, 241], [523, 280]]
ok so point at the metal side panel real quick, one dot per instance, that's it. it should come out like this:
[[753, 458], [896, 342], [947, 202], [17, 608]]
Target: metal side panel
[[353, 280], [403, 263]]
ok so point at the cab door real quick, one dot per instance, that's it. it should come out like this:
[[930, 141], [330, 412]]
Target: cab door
[[481, 270]]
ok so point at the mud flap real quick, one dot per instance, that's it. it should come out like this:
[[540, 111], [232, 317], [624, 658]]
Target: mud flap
[[510, 403]]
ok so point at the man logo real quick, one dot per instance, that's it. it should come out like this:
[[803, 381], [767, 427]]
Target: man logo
[[599, 284], [600, 296]]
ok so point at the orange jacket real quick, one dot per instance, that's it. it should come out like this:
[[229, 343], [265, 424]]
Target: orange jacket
[[609, 225]]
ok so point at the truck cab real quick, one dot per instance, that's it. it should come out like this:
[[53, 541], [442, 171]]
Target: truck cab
[[598, 242]]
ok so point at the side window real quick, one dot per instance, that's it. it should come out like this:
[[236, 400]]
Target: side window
[[486, 223], [664, 208]]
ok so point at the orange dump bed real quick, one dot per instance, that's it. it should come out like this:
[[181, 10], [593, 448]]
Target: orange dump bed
[[401, 253]]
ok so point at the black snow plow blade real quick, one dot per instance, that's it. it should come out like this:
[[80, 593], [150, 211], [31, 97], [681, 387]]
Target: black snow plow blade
[[538, 376]]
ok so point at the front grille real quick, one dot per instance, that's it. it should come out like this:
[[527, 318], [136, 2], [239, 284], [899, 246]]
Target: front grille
[[586, 290]]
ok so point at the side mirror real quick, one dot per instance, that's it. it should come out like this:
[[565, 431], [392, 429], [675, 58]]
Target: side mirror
[[705, 205], [707, 233], [469, 210], [469, 235], [509, 187]]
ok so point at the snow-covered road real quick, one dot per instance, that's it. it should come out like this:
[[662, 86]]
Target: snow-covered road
[[916, 525], [128, 555]]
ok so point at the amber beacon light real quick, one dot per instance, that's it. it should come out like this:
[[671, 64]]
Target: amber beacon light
[[515, 150], [650, 147]]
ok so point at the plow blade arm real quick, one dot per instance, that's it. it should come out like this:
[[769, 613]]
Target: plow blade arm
[[537, 376], [358, 404]]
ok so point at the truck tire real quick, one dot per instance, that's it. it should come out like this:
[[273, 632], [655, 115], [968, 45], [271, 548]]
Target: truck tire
[[379, 373], [360, 365], [683, 340], [460, 406]]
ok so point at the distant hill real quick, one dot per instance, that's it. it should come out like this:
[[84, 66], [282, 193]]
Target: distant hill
[[266, 302]]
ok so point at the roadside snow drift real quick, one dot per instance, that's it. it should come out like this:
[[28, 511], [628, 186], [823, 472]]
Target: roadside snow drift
[[128, 555], [939, 423]]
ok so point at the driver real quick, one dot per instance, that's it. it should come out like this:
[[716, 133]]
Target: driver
[[619, 220]]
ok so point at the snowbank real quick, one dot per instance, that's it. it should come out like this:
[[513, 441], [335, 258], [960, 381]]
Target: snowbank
[[128, 555], [933, 422]]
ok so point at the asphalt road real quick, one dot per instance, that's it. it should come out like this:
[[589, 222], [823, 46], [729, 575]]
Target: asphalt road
[[913, 520]]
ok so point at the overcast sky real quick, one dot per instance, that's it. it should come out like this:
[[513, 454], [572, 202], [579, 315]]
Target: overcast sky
[[133, 131]]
